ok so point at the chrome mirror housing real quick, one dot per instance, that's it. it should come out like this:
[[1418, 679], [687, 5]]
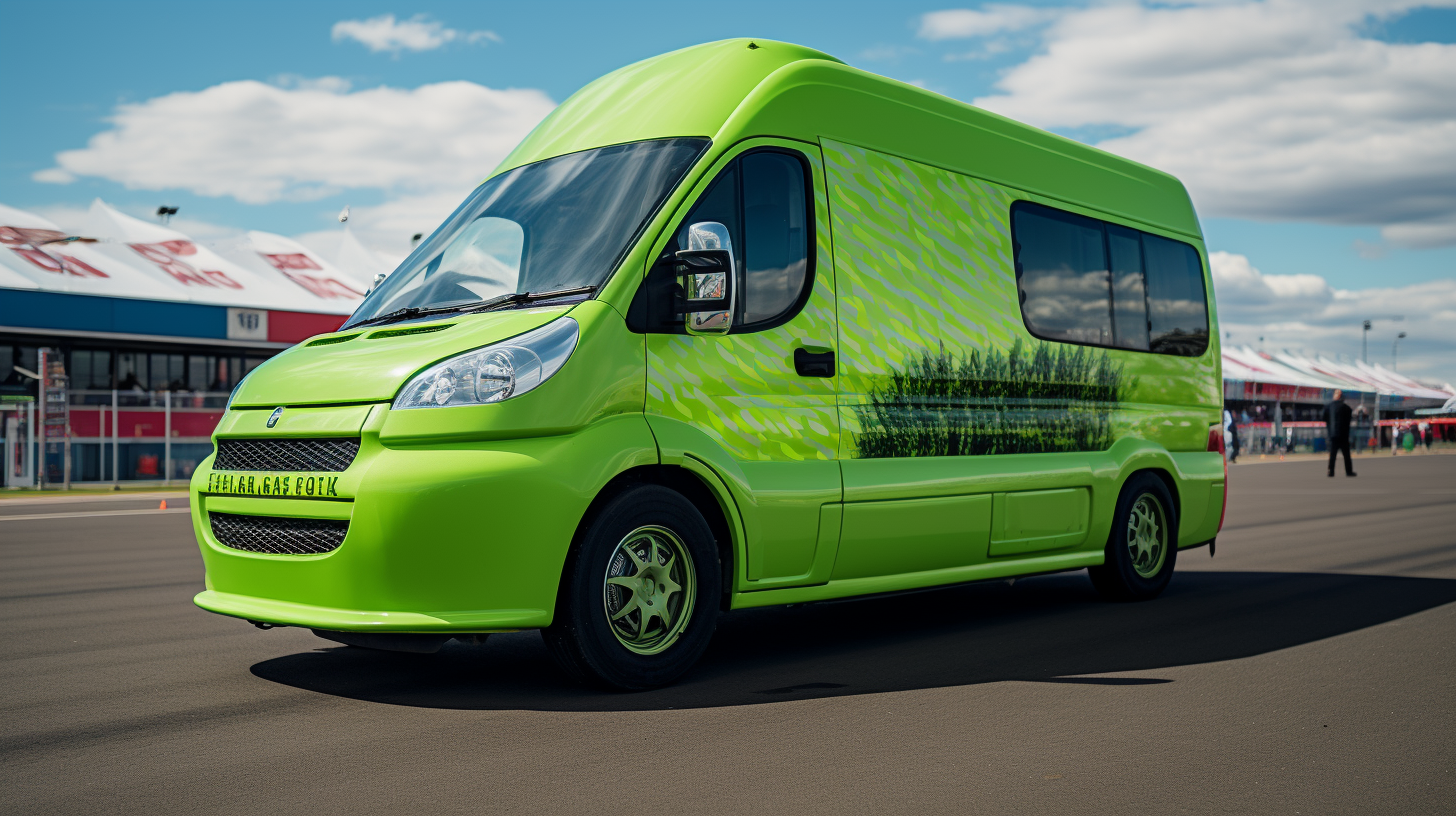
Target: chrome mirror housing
[[706, 272]]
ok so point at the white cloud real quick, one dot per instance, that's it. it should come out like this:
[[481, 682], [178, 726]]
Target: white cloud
[[385, 33], [330, 84], [991, 18], [1240, 285], [887, 53], [52, 175], [260, 143], [986, 50], [1266, 110], [1304, 312]]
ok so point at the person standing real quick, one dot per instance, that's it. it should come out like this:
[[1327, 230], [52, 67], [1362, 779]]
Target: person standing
[[1425, 437], [1231, 434], [1337, 427]]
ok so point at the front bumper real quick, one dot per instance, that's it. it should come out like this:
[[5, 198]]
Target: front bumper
[[285, 613], [462, 537]]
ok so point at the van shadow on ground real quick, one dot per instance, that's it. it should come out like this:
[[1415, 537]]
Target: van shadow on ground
[[1050, 629]]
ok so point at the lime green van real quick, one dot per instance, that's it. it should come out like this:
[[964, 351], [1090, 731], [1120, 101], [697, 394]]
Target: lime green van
[[736, 326]]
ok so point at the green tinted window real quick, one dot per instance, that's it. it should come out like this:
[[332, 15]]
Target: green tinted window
[[1177, 304], [1087, 281], [1061, 269]]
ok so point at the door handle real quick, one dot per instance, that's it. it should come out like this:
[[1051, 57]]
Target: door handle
[[810, 364]]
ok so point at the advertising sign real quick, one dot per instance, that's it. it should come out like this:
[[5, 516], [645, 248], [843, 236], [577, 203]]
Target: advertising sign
[[247, 324]]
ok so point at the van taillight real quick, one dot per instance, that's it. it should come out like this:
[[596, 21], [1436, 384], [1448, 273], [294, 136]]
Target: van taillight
[[1215, 445]]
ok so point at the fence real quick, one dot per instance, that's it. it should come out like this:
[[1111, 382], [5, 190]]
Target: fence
[[132, 436], [1311, 437]]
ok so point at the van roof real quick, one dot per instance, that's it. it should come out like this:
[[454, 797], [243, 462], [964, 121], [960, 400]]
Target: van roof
[[735, 89]]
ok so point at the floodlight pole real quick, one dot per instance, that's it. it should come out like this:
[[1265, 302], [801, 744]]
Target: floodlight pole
[[1364, 337], [1394, 348]]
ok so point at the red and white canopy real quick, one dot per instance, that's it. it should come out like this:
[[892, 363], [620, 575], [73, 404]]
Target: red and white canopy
[[117, 255]]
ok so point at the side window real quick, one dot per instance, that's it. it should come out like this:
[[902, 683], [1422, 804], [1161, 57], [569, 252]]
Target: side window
[[1086, 281], [719, 204], [1061, 268], [776, 248], [1177, 304], [1129, 288], [761, 198]]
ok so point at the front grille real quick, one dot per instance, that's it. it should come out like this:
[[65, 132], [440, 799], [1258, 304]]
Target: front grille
[[276, 535], [309, 455]]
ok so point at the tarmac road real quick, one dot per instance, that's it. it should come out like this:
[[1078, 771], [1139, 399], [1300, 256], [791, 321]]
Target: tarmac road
[[1309, 668]]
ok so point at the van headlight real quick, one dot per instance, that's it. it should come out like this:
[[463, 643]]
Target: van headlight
[[494, 373]]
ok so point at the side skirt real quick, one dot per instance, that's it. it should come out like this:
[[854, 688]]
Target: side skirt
[[883, 584]]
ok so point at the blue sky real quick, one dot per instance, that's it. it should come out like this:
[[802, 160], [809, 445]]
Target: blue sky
[[70, 65]]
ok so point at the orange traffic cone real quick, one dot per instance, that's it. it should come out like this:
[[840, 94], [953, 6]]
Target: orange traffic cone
[[164, 505]]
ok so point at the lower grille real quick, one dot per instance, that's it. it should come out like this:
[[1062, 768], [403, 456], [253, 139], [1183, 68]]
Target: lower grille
[[276, 535]]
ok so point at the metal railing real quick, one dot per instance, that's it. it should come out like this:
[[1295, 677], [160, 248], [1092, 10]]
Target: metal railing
[[134, 436]]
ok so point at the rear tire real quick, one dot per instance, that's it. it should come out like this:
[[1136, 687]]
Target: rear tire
[[639, 598], [1143, 545]]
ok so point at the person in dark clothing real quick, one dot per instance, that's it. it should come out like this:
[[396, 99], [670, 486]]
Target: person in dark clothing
[[1231, 433], [1337, 428]]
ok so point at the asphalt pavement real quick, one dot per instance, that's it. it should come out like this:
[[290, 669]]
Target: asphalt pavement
[[1310, 667]]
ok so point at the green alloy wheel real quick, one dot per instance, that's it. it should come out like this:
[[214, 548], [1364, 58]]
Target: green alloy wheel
[[1143, 544], [638, 600], [648, 591], [1147, 536]]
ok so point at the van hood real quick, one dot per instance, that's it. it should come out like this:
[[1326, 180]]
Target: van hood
[[371, 364]]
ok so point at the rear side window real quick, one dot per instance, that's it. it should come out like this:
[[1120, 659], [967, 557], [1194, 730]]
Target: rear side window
[[1177, 308], [1086, 281], [761, 198]]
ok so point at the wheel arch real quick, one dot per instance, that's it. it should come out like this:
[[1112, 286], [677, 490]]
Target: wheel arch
[[1165, 476], [1169, 482], [715, 507]]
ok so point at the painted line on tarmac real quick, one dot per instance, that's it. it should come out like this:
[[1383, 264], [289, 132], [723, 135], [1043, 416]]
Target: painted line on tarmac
[[147, 512]]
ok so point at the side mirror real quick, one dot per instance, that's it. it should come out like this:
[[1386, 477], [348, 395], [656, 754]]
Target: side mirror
[[705, 271]]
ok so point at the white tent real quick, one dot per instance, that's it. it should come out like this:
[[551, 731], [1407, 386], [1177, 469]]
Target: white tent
[[197, 273], [1401, 384], [37, 256], [265, 253], [1265, 368], [344, 250]]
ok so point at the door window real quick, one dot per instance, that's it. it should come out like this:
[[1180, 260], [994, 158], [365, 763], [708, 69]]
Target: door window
[[761, 198]]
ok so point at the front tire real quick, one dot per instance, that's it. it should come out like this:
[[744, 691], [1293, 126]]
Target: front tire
[[1143, 545], [638, 602]]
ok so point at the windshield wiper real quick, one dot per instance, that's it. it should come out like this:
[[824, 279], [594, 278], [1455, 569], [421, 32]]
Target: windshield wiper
[[405, 314], [518, 298], [501, 302]]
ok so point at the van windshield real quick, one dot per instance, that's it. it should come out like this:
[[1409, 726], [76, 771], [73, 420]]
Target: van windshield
[[562, 223]]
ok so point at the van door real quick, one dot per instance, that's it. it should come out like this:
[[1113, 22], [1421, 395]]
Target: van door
[[923, 274], [762, 398]]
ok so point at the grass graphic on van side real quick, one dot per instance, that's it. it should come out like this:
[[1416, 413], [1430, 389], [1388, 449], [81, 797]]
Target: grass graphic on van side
[[1045, 399]]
